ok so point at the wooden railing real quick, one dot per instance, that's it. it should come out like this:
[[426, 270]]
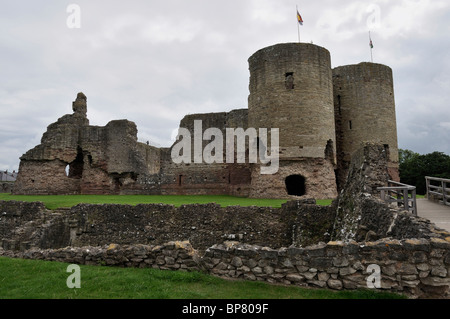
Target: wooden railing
[[438, 188], [402, 194]]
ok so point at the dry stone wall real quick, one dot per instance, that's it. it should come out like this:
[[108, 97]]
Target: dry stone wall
[[418, 268], [169, 256]]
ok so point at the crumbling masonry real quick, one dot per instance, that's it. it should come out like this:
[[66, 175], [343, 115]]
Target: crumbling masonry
[[300, 243], [323, 115]]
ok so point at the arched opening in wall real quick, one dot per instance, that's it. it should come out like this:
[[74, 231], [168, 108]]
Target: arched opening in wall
[[117, 184], [76, 167], [295, 185]]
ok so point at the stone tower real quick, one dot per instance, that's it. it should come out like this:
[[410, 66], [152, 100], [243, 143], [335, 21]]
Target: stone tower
[[291, 89], [365, 112]]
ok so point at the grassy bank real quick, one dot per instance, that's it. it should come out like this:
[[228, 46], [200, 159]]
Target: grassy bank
[[36, 279], [57, 201]]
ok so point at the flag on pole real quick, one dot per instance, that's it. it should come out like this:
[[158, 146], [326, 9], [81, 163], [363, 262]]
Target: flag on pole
[[299, 18], [371, 47]]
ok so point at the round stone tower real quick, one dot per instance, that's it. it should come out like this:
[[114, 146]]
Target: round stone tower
[[291, 88], [365, 112]]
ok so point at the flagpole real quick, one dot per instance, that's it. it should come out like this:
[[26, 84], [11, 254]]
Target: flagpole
[[298, 27], [371, 48]]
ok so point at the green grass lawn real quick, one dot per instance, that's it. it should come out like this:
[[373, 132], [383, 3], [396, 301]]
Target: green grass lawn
[[57, 201], [37, 279]]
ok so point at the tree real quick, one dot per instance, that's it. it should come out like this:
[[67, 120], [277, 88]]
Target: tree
[[414, 167]]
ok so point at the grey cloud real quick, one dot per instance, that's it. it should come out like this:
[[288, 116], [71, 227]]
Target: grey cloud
[[153, 62]]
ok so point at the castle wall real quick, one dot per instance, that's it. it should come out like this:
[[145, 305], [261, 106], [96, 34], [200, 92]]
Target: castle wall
[[319, 177], [291, 89], [76, 158], [323, 116], [365, 112], [207, 178], [43, 177]]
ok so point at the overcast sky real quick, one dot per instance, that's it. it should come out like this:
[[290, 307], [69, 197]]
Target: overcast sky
[[152, 62]]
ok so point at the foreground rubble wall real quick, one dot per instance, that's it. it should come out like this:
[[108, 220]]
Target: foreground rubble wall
[[418, 268], [241, 243]]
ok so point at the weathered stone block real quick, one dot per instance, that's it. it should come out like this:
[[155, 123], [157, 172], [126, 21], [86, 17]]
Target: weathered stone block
[[439, 271], [236, 262], [346, 271], [407, 269], [335, 284], [340, 261], [296, 278]]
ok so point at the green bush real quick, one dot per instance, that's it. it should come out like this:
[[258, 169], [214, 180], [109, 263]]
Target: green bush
[[414, 167]]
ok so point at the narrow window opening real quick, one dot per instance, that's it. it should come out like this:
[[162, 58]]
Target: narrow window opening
[[289, 80], [339, 104], [329, 151], [386, 149], [350, 125]]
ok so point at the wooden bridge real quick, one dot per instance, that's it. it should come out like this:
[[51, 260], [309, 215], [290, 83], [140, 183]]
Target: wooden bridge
[[435, 207], [437, 213]]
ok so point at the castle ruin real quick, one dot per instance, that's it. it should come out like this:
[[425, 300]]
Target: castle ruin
[[323, 115]]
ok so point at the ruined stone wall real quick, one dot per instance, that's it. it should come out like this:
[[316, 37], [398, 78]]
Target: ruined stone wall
[[152, 156], [42, 169], [96, 225], [6, 187], [24, 225], [413, 267], [417, 268], [299, 223], [76, 158], [168, 256], [320, 182], [364, 112], [45, 177], [199, 178], [367, 171]]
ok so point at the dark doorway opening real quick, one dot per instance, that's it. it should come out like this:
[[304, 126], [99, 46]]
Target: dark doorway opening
[[76, 167], [295, 185]]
